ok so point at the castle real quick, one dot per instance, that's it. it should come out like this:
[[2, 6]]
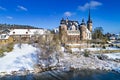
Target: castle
[[73, 32]]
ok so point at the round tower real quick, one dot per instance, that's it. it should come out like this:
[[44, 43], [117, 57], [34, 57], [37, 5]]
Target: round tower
[[83, 30], [63, 31], [63, 26]]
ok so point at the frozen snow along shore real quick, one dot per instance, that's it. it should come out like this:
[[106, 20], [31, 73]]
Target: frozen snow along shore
[[79, 61], [23, 57], [113, 55]]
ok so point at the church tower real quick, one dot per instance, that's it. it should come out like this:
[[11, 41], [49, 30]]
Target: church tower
[[89, 22]]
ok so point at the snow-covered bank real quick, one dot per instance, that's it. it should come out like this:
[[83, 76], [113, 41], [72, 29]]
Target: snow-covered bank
[[92, 62], [94, 49], [25, 57], [98, 49], [113, 55], [21, 58]]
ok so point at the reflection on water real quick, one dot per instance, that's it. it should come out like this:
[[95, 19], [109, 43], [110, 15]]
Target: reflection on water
[[71, 75]]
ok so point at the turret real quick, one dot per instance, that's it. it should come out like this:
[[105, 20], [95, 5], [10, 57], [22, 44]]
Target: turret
[[83, 30], [83, 23], [63, 30], [62, 21], [89, 22]]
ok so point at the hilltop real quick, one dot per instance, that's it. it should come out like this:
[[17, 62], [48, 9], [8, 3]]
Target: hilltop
[[16, 26]]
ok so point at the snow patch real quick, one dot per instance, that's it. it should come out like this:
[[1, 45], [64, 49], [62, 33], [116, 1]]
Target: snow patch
[[22, 58], [75, 49], [98, 49], [113, 55]]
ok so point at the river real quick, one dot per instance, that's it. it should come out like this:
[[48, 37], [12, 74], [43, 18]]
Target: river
[[69, 75]]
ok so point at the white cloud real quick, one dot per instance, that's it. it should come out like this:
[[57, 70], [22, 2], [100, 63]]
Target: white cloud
[[9, 17], [22, 8], [91, 4], [94, 4], [68, 14], [2, 8]]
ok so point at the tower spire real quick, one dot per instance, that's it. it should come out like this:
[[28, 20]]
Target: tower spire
[[89, 22], [89, 17]]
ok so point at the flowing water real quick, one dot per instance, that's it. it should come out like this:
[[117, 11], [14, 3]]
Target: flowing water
[[70, 75]]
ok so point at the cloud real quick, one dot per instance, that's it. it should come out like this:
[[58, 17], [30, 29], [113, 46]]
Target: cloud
[[91, 4], [22, 8], [2, 8], [68, 14], [9, 17]]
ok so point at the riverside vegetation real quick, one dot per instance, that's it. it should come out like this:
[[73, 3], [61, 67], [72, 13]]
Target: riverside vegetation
[[6, 48]]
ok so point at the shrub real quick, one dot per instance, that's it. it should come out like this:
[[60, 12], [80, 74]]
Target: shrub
[[86, 53], [104, 47], [68, 49], [7, 48], [117, 46], [93, 46], [1, 52], [112, 45], [102, 57]]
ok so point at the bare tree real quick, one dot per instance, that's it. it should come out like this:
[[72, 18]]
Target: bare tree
[[49, 47]]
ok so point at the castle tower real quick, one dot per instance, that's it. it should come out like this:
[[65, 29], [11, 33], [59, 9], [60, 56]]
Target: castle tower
[[63, 30], [63, 25], [83, 30], [89, 22]]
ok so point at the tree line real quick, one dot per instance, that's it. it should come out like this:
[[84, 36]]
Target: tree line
[[15, 26]]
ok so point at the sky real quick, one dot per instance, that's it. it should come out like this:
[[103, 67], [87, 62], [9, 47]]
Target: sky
[[48, 13]]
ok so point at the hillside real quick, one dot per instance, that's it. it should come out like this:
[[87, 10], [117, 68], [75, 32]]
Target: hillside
[[15, 26]]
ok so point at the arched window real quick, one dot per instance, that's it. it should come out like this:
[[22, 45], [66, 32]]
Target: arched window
[[73, 27]]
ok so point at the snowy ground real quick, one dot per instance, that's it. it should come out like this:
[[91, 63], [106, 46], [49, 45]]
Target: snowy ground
[[107, 48], [113, 55], [92, 62], [22, 58], [25, 58], [94, 49]]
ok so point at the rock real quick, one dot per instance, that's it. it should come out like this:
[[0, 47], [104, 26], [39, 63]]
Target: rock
[[102, 57], [14, 72], [117, 60]]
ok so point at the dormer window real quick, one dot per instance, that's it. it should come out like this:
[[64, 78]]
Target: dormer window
[[13, 32], [26, 32]]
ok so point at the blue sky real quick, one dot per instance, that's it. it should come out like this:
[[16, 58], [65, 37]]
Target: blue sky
[[48, 13]]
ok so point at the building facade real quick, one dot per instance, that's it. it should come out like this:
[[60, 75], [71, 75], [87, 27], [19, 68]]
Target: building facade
[[21, 35], [72, 31]]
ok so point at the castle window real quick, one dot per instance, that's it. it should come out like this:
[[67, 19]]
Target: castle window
[[76, 28]]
